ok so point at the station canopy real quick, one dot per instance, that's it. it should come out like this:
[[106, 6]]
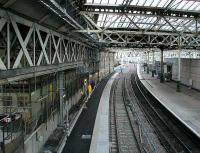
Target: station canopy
[[157, 15]]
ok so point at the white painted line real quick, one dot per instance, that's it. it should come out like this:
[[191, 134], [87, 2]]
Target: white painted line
[[100, 136]]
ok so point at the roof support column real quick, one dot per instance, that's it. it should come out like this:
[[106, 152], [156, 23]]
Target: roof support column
[[153, 63], [161, 66], [8, 45], [190, 71], [147, 62], [179, 66], [179, 70]]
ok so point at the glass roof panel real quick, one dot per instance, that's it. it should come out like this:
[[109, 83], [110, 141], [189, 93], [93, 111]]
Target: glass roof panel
[[189, 4], [118, 2], [144, 22], [155, 3], [97, 1], [141, 2], [112, 2], [148, 3], [104, 1], [147, 22], [185, 5], [163, 3], [194, 5], [197, 8], [134, 2], [89, 1]]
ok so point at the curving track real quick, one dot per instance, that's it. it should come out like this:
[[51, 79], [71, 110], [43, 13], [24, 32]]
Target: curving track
[[139, 123], [173, 136]]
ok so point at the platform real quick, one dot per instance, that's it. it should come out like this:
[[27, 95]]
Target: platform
[[183, 105], [100, 136], [80, 135]]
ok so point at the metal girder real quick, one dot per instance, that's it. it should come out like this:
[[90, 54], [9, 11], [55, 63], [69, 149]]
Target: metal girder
[[44, 18], [61, 12], [135, 32], [25, 73], [165, 20], [132, 21], [2, 24], [174, 29], [91, 21], [34, 45], [116, 17], [162, 16], [136, 40], [9, 3], [139, 10], [43, 45], [149, 36], [23, 50]]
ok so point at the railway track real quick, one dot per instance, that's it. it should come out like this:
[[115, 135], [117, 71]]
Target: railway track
[[139, 124], [126, 141], [172, 136], [148, 140], [113, 131]]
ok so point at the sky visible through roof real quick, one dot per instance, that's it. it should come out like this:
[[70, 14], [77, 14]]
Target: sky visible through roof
[[148, 22]]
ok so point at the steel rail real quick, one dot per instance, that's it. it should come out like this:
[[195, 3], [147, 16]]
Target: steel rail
[[171, 142]]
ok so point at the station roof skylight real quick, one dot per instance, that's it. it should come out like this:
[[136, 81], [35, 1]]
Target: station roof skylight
[[148, 22], [185, 5]]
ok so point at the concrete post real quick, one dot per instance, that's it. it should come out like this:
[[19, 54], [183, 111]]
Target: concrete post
[[161, 66], [179, 71], [61, 96]]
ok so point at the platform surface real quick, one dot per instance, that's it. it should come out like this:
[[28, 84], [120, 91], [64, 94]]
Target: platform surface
[[100, 136], [185, 105], [85, 123]]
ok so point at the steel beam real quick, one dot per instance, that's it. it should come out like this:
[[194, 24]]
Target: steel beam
[[135, 32], [139, 10], [9, 3], [36, 43], [25, 73], [142, 38]]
